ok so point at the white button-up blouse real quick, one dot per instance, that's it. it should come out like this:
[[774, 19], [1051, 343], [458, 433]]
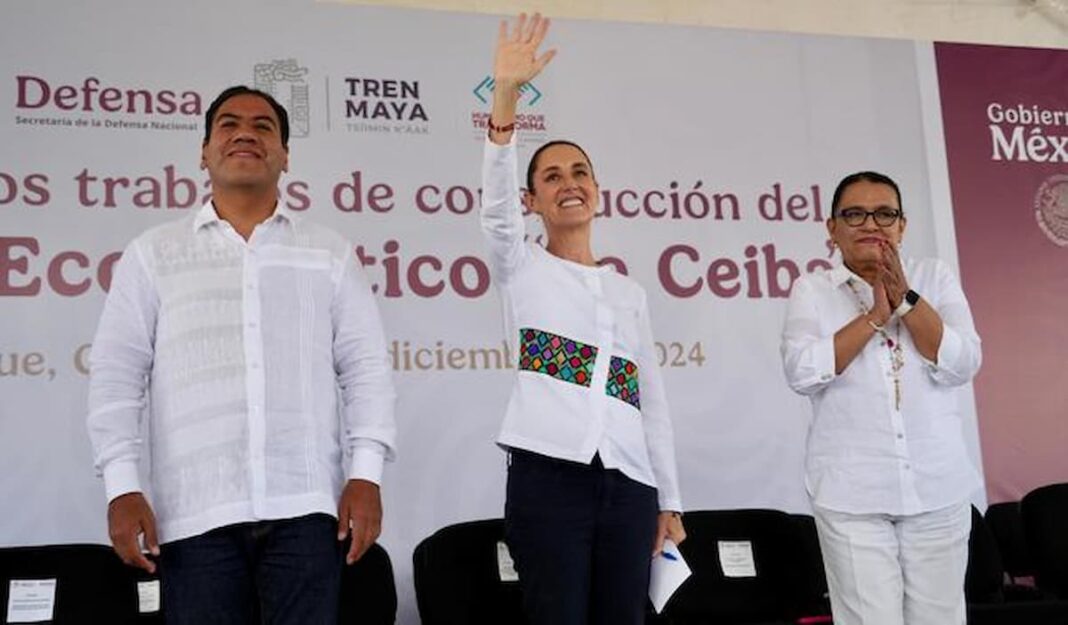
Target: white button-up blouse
[[588, 378], [866, 454]]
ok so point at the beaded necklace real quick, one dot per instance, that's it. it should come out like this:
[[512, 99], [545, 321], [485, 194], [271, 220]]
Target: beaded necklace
[[897, 354]]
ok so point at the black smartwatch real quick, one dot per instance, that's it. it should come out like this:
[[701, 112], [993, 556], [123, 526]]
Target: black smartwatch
[[911, 299]]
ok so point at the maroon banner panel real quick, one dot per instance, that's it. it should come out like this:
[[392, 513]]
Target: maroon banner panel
[[1005, 113]]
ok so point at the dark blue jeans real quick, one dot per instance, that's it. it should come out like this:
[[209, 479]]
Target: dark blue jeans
[[582, 539], [288, 571]]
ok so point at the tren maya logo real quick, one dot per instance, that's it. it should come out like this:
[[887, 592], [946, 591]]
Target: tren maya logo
[[385, 105], [286, 80]]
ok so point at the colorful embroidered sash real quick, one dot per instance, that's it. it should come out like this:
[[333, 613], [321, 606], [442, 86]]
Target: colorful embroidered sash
[[557, 356], [572, 361], [623, 381]]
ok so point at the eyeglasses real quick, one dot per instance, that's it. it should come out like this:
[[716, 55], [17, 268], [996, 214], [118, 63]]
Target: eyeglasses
[[857, 216]]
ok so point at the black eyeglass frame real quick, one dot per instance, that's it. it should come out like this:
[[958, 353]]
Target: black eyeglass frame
[[883, 216]]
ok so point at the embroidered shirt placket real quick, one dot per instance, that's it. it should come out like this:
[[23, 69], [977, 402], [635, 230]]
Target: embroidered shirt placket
[[255, 377]]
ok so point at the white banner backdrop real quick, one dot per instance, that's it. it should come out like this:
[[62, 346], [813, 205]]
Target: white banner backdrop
[[717, 152]]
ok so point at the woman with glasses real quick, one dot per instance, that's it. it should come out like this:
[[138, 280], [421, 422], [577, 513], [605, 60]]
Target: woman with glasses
[[878, 344], [592, 489]]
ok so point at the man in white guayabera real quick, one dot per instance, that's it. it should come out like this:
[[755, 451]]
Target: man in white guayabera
[[245, 330]]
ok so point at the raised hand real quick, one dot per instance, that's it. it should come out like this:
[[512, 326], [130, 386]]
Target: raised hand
[[515, 63], [516, 60]]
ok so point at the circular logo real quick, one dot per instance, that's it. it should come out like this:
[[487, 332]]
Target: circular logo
[[1051, 208]]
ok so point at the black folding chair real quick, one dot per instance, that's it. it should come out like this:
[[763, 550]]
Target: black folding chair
[[368, 591], [1045, 519], [767, 592], [92, 584], [1006, 525], [458, 578]]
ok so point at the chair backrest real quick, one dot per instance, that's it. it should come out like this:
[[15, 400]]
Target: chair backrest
[[808, 575], [727, 584], [1006, 524], [368, 591], [91, 584], [1045, 520], [985, 578], [458, 577]]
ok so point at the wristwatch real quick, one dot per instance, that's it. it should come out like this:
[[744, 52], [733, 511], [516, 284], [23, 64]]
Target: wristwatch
[[911, 299]]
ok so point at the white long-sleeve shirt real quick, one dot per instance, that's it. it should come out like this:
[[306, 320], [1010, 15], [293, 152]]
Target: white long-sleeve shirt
[[864, 454], [588, 380], [239, 352]]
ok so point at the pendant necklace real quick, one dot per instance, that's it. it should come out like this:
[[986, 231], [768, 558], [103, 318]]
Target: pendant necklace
[[893, 344]]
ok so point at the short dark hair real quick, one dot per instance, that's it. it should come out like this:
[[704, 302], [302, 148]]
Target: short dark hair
[[236, 90], [532, 166], [864, 176]]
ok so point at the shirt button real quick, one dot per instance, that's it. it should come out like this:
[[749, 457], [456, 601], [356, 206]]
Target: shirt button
[[252, 325], [255, 365], [907, 466], [900, 436]]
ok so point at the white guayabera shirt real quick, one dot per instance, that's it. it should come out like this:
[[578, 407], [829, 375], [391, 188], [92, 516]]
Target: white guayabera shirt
[[244, 349]]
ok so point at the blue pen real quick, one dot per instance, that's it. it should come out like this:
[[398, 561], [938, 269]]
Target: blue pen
[[669, 556]]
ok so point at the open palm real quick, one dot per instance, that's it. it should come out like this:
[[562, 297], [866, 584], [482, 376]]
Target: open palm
[[516, 61]]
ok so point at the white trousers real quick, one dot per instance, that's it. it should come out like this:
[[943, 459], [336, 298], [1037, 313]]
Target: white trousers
[[896, 570]]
